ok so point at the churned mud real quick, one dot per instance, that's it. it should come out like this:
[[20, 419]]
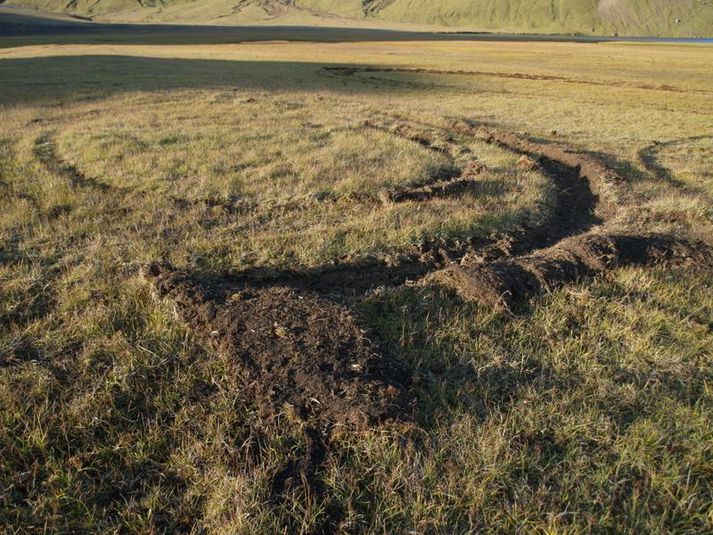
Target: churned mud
[[574, 236], [506, 282], [298, 356], [297, 353]]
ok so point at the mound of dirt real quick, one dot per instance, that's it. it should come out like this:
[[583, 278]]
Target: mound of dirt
[[505, 282], [295, 352]]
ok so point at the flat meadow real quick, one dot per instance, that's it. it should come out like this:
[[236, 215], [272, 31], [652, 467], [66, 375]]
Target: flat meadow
[[352, 170]]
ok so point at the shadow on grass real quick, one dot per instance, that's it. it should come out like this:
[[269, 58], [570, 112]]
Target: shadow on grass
[[467, 359], [62, 79], [649, 157], [443, 343], [21, 29]]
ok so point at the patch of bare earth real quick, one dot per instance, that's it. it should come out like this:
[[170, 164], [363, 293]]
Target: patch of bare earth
[[506, 282], [295, 352]]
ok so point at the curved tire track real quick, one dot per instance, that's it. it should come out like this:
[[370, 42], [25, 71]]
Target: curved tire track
[[592, 250], [45, 151], [351, 70], [328, 369], [505, 283], [586, 201]]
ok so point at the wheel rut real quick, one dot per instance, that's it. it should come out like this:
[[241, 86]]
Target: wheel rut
[[649, 158], [301, 353], [45, 151], [352, 70]]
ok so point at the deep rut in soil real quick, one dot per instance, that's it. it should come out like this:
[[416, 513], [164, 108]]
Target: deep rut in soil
[[301, 354], [572, 243], [294, 351], [586, 200]]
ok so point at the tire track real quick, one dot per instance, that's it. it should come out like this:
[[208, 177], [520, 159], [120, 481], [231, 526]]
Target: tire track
[[351, 70], [578, 209], [565, 257], [296, 345], [586, 201], [45, 150], [506, 283], [443, 183]]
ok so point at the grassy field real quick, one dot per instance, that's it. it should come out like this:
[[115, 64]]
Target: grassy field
[[587, 410]]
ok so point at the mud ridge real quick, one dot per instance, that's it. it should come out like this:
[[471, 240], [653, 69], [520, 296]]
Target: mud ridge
[[585, 190], [302, 356], [585, 186], [296, 353], [505, 283], [578, 209]]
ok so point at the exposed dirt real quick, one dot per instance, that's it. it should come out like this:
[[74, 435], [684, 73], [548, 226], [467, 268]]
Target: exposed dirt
[[298, 356], [295, 352], [577, 210], [587, 192], [507, 282], [300, 353]]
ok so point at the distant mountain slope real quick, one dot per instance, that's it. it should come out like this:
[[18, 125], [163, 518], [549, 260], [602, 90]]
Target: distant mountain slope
[[625, 17]]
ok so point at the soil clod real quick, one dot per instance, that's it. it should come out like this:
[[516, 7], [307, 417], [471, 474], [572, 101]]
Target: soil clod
[[504, 283]]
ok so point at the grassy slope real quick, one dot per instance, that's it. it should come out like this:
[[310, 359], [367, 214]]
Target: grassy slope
[[632, 17]]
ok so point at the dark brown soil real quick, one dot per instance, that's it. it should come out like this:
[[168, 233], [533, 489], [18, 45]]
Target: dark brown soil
[[582, 176], [507, 282], [586, 190], [297, 353]]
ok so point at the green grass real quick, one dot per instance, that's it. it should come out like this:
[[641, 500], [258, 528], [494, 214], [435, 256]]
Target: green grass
[[589, 412], [599, 17]]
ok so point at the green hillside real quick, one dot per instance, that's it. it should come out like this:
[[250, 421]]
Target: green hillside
[[624, 17]]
